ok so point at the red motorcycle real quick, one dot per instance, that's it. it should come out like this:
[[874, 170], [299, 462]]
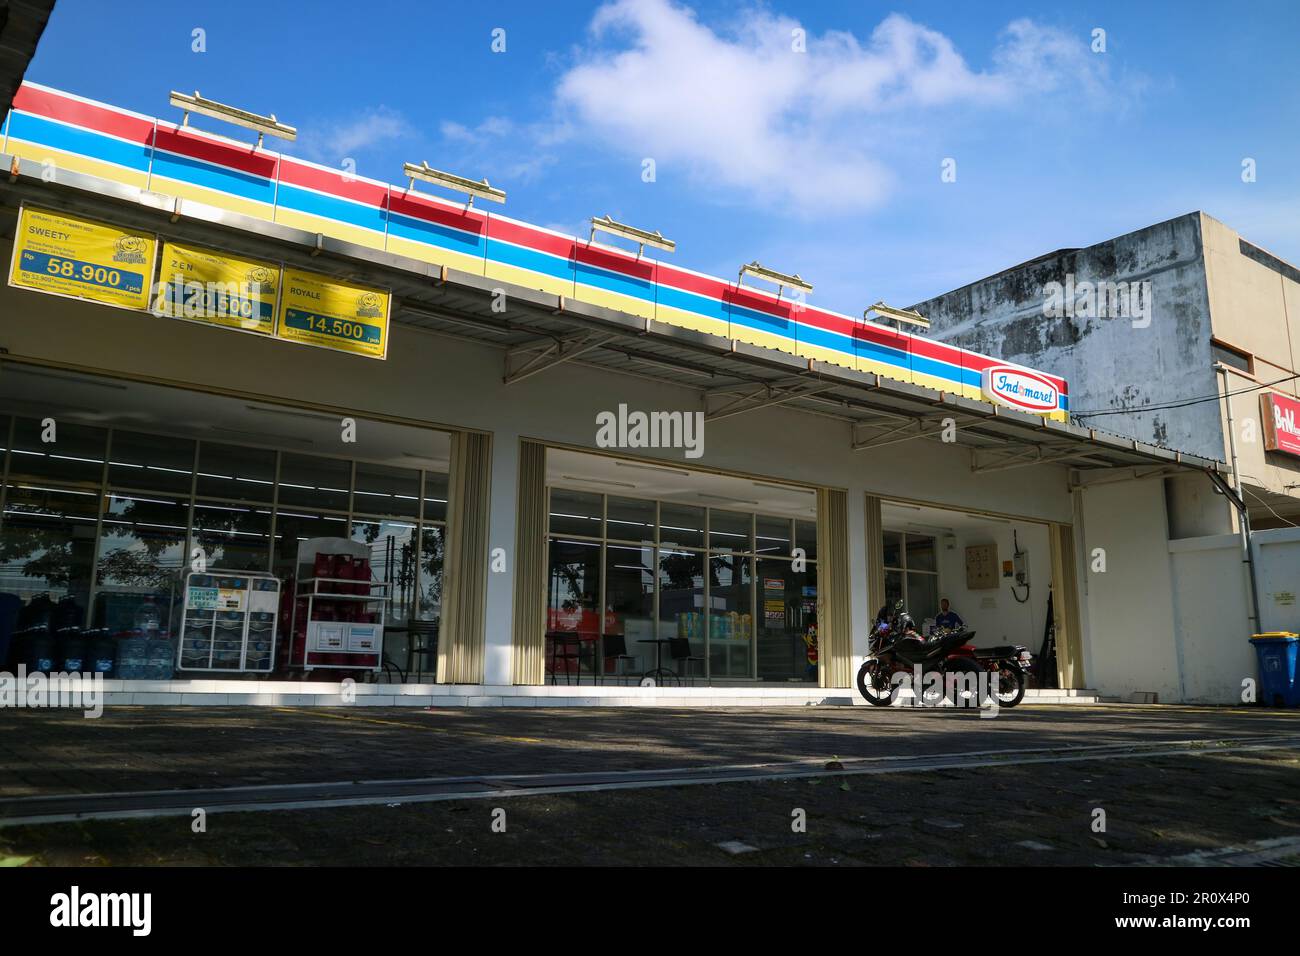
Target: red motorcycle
[[895, 646], [1011, 662]]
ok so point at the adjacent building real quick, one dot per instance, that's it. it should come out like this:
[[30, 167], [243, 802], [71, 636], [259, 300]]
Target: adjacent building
[[1138, 325]]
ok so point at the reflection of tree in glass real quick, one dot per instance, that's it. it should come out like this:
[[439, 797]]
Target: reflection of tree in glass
[[682, 569], [433, 544], [151, 527], [39, 539], [40, 552], [215, 529], [133, 569]]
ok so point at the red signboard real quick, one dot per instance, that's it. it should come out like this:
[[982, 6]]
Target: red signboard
[[1281, 415]]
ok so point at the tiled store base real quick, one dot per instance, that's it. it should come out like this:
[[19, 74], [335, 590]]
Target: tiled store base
[[212, 693]]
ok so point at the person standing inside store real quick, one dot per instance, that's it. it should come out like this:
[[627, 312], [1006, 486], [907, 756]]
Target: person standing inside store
[[948, 617]]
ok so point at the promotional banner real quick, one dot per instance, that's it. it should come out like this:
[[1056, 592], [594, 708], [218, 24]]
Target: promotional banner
[[69, 256], [317, 310], [1281, 415], [220, 289]]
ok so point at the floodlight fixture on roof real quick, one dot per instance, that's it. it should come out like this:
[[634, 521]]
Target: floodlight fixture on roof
[[641, 237], [898, 315], [232, 114], [771, 275], [480, 188]]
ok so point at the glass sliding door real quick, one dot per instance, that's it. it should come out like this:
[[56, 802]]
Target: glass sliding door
[[670, 570], [731, 616]]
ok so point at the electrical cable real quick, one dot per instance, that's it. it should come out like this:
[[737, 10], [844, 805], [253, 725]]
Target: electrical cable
[[1165, 406]]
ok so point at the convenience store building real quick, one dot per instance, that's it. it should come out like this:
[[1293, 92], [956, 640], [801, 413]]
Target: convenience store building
[[459, 447]]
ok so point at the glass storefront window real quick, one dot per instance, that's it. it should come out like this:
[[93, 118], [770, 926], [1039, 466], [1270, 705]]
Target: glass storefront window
[[435, 496], [151, 462], [47, 550], [292, 527], [787, 610], [141, 553], [805, 536], [433, 544], [75, 455], [731, 616], [385, 490], [681, 600], [773, 536], [730, 531], [630, 519], [99, 523], [236, 473], [893, 555], [391, 562], [315, 482], [893, 588], [576, 512], [677, 589], [681, 526], [922, 595], [573, 618], [233, 536], [920, 553], [911, 573], [630, 600]]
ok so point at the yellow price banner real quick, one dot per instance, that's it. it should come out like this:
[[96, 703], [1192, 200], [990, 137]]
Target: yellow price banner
[[66, 255], [318, 310], [205, 286]]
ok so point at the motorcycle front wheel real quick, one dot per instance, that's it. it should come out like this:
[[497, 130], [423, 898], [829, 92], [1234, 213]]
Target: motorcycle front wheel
[[871, 675], [1011, 686]]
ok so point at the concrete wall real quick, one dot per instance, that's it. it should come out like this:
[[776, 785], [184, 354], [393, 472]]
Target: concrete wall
[[1107, 361], [1211, 616], [1129, 642], [438, 380], [997, 615], [1277, 564]]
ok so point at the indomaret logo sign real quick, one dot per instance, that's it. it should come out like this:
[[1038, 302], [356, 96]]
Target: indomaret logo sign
[[1020, 389], [1281, 416]]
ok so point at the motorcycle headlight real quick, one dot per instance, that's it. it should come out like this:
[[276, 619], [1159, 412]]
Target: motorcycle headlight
[[1025, 655]]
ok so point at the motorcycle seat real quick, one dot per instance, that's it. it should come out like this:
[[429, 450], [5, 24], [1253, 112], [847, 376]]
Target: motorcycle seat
[[1004, 650]]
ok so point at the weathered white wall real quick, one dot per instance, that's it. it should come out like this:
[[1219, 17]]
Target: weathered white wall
[[1129, 643], [1108, 362]]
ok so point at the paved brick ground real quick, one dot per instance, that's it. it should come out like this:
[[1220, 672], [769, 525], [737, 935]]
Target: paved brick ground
[[1156, 808], [45, 752]]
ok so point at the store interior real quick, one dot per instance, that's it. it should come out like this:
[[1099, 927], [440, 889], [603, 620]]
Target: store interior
[[673, 575], [149, 532], [971, 560]]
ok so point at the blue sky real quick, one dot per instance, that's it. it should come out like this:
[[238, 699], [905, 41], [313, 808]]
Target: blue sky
[[825, 161]]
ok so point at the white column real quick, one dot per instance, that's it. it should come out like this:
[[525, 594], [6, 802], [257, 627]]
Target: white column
[[859, 600], [497, 659]]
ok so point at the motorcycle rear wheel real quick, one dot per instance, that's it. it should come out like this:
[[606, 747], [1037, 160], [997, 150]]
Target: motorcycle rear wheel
[[868, 676], [1011, 686]]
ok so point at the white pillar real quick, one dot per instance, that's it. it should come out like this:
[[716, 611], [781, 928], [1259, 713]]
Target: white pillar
[[858, 574], [497, 657]]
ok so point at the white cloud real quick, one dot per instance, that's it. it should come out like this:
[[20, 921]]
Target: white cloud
[[331, 143], [743, 110]]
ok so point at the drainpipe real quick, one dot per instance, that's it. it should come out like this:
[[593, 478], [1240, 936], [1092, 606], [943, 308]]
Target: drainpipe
[[1243, 515]]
